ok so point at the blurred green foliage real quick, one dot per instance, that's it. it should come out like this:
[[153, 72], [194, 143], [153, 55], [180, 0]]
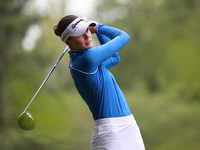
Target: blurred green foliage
[[159, 74]]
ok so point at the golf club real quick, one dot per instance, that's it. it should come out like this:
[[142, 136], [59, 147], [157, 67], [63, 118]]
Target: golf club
[[25, 120]]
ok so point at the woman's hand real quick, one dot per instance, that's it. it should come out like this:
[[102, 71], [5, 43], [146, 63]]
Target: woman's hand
[[92, 29], [93, 25]]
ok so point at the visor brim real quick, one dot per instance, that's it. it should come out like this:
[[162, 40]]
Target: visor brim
[[81, 29]]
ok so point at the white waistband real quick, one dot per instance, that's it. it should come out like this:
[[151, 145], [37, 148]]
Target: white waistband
[[117, 120]]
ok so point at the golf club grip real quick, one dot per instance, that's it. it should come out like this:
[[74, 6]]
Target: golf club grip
[[46, 78]]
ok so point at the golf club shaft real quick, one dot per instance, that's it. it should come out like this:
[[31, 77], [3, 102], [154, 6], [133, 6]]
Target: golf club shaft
[[46, 78]]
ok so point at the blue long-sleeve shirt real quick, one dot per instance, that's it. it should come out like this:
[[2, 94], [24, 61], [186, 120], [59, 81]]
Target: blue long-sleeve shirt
[[96, 85]]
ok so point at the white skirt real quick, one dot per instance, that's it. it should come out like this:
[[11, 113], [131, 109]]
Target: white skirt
[[120, 133]]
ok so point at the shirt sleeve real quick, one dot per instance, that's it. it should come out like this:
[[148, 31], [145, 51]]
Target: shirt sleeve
[[100, 54], [102, 38], [114, 59]]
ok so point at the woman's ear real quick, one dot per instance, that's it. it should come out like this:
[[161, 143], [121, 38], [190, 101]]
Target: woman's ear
[[67, 42]]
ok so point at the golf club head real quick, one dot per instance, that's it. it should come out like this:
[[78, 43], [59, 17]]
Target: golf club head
[[26, 121]]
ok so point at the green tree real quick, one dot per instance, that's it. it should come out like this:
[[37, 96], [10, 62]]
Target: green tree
[[12, 28]]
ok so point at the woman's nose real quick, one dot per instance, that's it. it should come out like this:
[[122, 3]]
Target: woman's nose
[[86, 34]]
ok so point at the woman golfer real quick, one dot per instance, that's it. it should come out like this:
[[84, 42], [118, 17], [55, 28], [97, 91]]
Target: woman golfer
[[115, 127]]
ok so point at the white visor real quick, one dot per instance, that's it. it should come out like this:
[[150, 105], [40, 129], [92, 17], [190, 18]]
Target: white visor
[[75, 28]]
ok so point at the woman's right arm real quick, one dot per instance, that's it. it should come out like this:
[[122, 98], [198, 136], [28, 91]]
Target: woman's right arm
[[100, 54], [114, 59]]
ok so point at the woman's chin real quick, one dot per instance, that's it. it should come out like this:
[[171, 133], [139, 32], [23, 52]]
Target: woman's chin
[[90, 45]]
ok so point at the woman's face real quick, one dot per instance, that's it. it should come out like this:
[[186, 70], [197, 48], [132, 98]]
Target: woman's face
[[83, 42]]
